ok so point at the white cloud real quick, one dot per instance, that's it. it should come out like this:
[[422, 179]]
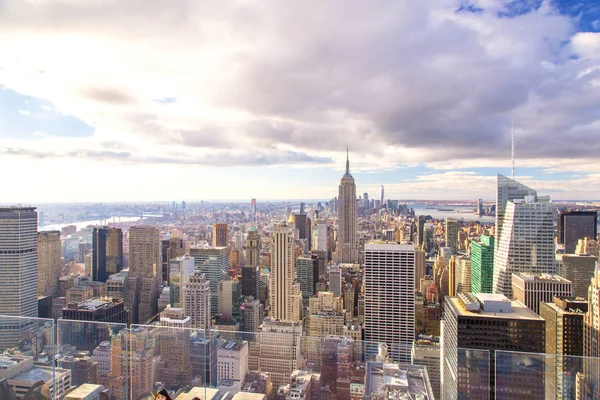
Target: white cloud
[[265, 82]]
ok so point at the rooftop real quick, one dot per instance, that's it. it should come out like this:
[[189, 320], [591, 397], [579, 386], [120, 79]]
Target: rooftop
[[39, 374], [397, 381], [518, 310], [233, 345], [96, 304], [389, 246], [531, 277]]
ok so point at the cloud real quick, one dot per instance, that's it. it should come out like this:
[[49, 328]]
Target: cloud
[[274, 83]]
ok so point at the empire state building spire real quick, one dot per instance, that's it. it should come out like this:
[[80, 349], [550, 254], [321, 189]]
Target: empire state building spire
[[347, 161], [347, 248]]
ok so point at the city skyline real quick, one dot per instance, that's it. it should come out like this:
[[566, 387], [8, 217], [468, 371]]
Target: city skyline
[[234, 94]]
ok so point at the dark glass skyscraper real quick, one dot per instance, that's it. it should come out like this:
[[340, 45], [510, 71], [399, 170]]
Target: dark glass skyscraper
[[250, 280], [575, 225], [170, 249], [107, 252]]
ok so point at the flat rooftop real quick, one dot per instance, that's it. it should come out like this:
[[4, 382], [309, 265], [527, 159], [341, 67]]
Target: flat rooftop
[[401, 380], [389, 246], [531, 277], [39, 374], [518, 311]]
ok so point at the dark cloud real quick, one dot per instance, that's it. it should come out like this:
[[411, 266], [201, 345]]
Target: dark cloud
[[107, 95]]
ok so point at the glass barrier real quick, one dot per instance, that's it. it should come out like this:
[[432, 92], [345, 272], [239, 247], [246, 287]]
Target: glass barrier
[[27, 348], [178, 359], [94, 353], [519, 375], [551, 375]]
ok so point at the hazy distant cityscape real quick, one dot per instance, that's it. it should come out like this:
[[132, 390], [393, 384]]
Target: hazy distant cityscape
[[310, 300]]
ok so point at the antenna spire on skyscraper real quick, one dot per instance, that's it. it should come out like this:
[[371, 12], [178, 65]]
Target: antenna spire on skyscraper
[[347, 160], [512, 143]]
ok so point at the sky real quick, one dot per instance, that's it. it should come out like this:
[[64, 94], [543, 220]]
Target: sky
[[113, 100]]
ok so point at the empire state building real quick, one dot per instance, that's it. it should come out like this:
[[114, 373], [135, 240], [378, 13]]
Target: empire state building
[[347, 242]]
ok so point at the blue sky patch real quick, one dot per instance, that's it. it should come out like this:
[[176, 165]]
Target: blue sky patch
[[26, 117]]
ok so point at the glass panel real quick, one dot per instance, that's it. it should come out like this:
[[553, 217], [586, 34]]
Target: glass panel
[[558, 376], [28, 346], [466, 373], [520, 375], [170, 358], [94, 353]]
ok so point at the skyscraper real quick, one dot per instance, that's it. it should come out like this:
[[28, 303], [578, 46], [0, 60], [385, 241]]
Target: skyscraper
[[421, 230], [533, 289], [253, 247], [18, 270], [564, 337], [390, 297], [219, 235], [230, 299], [49, 263], [526, 241], [575, 225], [198, 301], [335, 280], [107, 252], [382, 195], [180, 269], [214, 263], [452, 234], [175, 347], [170, 249], [250, 280], [347, 241], [508, 190], [489, 322], [285, 294], [144, 268], [591, 341], [482, 265], [308, 274]]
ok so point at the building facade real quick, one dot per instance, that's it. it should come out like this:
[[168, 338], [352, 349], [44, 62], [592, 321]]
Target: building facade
[[198, 301], [347, 239], [576, 225], [18, 271], [390, 297], [285, 294], [526, 243], [490, 323], [482, 265], [214, 263], [220, 235], [107, 252], [533, 289], [49, 262]]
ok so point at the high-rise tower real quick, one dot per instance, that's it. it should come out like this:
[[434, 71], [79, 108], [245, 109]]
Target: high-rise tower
[[107, 253], [508, 190], [452, 234], [214, 263], [285, 294], [144, 272], [18, 270], [526, 239], [390, 297], [347, 241], [220, 232], [49, 264]]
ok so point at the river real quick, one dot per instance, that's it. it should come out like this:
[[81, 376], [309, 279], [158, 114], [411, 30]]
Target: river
[[459, 212], [82, 224]]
